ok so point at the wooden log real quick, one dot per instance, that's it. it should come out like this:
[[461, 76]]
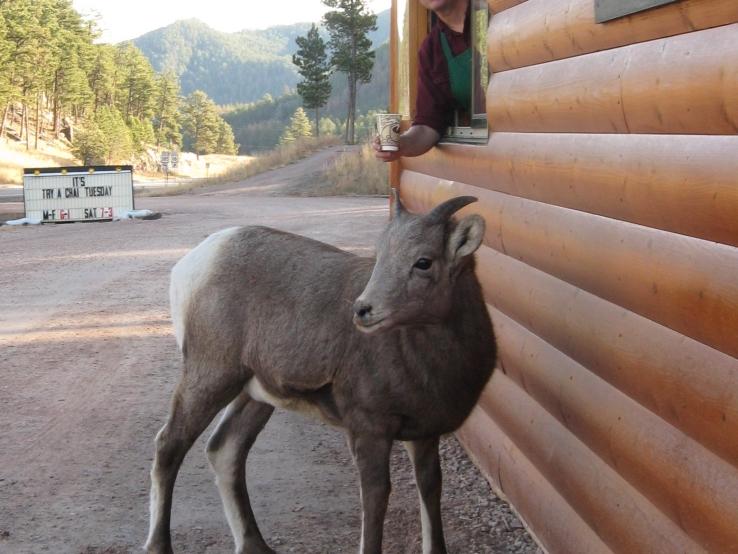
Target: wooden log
[[692, 486], [497, 6], [553, 523], [545, 30], [684, 283], [620, 515], [680, 183], [681, 85], [686, 383]]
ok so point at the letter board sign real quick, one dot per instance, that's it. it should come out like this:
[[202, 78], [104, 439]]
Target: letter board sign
[[61, 194]]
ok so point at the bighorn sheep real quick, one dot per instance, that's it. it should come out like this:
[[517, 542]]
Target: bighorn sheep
[[264, 318]]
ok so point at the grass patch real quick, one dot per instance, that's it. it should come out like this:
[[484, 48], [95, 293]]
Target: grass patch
[[280, 156], [357, 173]]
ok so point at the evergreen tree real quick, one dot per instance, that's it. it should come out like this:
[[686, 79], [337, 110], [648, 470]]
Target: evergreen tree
[[351, 52], [134, 82], [5, 70], [142, 134], [226, 141], [102, 76], [119, 144], [201, 123], [327, 126], [312, 64], [299, 127], [105, 138], [166, 114]]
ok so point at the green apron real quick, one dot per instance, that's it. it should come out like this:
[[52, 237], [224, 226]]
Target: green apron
[[459, 74]]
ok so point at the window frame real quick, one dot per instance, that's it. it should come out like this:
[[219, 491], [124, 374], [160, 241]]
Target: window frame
[[474, 134]]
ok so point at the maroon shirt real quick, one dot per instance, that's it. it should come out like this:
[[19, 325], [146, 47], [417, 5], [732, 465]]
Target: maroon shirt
[[435, 104]]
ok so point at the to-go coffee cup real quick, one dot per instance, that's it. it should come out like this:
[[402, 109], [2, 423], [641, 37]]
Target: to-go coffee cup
[[388, 130]]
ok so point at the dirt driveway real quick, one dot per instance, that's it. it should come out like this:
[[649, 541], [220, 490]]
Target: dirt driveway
[[89, 362]]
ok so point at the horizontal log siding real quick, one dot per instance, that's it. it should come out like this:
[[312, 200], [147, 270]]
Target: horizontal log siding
[[689, 385], [540, 31], [684, 283], [680, 183], [694, 488], [544, 511], [680, 85], [620, 515], [497, 6], [610, 189]]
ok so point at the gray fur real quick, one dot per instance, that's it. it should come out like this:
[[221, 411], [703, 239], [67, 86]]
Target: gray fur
[[385, 350]]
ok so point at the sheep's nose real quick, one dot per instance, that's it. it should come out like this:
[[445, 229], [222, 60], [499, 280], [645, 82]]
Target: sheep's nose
[[362, 309]]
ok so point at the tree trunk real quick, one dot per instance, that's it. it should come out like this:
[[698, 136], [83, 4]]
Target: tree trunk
[[56, 105], [5, 116], [38, 120], [348, 110], [352, 108], [25, 123], [317, 122]]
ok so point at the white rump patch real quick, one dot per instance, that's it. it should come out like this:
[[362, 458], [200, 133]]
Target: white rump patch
[[189, 274]]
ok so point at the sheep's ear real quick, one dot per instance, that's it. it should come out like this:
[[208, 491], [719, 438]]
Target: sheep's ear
[[465, 238]]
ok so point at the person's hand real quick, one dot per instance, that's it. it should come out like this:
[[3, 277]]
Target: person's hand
[[385, 156]]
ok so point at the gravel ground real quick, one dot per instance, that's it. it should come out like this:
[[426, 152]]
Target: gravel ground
[[89, 364]]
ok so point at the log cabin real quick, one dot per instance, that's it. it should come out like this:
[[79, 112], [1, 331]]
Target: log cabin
[[604, 153]]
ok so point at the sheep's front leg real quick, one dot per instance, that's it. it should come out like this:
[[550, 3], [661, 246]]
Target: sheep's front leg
[[424, 455], [371, 455]]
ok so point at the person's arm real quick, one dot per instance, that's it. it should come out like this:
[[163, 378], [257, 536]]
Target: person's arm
[[416, 141]]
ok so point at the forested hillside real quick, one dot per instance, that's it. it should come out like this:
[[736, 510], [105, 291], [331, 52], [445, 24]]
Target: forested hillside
[[259, 125], [107, 101], [233, 68]]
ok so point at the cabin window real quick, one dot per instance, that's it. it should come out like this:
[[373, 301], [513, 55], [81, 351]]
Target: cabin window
[[472, 126], [605, 10]]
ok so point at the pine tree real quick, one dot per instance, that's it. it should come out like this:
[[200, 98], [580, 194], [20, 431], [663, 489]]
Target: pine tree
[[351, 52], [226, 141], [102, 76], [201, 123], [105, 139], [5, 72], [299, 127], [312, 63], [134, 82], [166, 114]]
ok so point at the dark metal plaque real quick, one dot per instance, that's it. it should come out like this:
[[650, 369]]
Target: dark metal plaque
[[605, 10]]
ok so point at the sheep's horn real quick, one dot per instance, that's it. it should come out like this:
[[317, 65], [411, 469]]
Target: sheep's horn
[[399, 208], [443, 212]]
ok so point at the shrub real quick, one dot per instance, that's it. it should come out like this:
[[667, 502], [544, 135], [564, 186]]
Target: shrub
[[357, 172]]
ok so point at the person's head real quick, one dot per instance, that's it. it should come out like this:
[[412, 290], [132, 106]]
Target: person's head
[[441, 6]]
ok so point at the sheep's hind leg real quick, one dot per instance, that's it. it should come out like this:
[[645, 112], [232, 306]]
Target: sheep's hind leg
[[194, 404], [228, 449]]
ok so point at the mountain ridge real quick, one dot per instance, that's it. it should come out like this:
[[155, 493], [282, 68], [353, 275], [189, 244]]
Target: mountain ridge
[[236, 67]]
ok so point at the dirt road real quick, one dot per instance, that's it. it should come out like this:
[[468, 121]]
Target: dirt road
[[89, 362]]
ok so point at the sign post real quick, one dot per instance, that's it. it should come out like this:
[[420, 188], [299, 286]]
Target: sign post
[[63, 194]]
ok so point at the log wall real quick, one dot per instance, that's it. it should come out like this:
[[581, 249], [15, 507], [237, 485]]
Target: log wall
[[609, 185]]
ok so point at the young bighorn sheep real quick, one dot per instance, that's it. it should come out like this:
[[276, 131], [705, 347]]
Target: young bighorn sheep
[[264, 318]]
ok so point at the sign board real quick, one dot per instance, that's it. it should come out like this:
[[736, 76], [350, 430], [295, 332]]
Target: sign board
[[606, 10], [61, 194]]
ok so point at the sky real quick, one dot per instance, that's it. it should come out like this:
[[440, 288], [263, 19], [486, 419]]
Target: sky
[[128, 19]]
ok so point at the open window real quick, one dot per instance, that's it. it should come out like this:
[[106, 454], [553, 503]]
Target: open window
[[472, 126]]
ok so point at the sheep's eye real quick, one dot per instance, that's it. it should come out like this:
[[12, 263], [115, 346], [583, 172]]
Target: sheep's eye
[[423, 264]]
